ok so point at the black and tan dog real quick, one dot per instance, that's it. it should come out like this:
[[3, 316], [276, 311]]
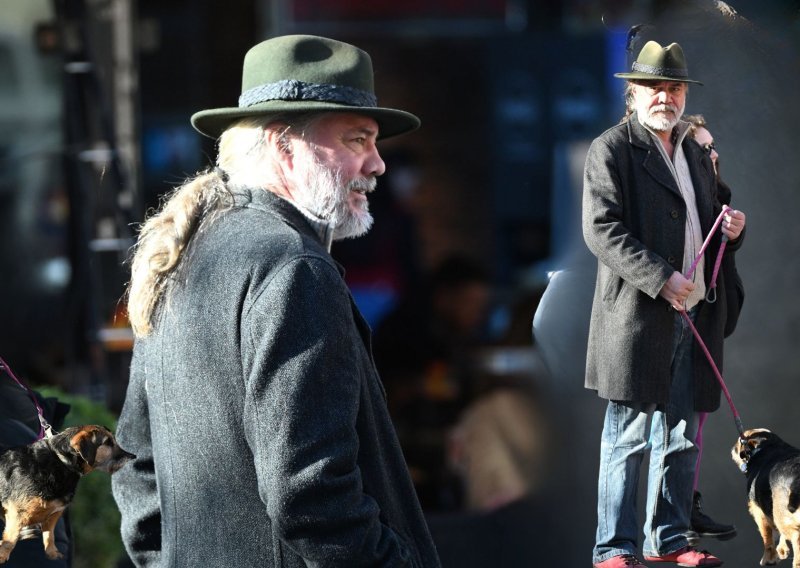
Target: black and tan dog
[[38, 481], [772, 468]]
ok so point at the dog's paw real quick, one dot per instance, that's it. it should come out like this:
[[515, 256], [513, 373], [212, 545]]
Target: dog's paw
[[5, 551], [783, 549], [53, 553], [770, 557]]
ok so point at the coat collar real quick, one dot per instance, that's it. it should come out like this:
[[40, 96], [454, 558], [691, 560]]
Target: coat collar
[[639, 136], [637, 133], [264, 200]]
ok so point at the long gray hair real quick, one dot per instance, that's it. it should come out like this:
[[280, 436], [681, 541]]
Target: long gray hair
[[242, 162], [629, 102]]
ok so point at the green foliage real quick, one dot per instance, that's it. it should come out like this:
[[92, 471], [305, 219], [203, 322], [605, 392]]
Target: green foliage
[[94, 517]]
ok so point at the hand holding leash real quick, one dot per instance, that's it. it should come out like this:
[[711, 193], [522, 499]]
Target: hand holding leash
[[733, 224], [676, 290]]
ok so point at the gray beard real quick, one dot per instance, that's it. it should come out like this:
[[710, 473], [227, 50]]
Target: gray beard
[[326, 196], [660, 122]]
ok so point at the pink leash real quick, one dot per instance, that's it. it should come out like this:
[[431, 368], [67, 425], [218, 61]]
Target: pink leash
[[736, 418], [44, 427]]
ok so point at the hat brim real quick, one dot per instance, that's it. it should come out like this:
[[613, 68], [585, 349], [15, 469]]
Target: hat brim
[[647, 77], [391, 122]]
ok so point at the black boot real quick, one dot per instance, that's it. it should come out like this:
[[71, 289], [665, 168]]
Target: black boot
[[704, 525]]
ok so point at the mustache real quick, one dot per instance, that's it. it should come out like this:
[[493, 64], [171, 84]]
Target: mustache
[[664, 108], [366, 184]]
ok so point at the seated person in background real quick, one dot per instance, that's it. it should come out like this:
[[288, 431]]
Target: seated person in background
[[502, 452], [497, 447]]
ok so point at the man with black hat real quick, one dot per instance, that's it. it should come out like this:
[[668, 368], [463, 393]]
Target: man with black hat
[[254, 407], [649, 200]]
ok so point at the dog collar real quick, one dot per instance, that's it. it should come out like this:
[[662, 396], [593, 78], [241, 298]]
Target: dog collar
[[749, 456]]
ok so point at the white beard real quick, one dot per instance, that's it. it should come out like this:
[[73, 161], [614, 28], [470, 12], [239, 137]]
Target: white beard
[[660, 122], [325, 195]]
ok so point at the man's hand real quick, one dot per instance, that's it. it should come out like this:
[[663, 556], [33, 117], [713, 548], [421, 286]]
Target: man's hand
[[676, 290], [733, 224]]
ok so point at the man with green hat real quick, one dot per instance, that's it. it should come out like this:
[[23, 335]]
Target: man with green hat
[[260, 423], [649, 200]]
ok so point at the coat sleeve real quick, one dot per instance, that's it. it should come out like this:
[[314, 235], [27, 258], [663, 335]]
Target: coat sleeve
[[302, 368], [134, 486], [604, 228]]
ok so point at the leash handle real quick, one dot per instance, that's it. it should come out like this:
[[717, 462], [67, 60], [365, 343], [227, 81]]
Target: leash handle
[[725, 209], [45, 430]]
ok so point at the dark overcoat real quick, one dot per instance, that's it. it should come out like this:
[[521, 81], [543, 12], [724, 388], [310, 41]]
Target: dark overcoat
[[633, 222], [257, 415]]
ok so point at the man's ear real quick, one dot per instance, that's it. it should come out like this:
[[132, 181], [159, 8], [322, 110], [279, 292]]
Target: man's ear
[[281, 145], [279, 139]]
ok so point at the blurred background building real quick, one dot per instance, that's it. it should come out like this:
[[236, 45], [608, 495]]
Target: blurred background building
[[95, 97]]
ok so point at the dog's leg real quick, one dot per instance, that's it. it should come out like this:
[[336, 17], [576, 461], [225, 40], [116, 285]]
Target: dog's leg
[[794, 538], [48, 536], [783, 548], [765, 528], [11, 532]]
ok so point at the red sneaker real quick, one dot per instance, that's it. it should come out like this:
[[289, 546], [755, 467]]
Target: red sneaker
[[621, 561], [688, 556]]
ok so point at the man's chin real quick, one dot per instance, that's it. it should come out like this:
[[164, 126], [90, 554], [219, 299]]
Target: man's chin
[[661, 123], [353, 228]]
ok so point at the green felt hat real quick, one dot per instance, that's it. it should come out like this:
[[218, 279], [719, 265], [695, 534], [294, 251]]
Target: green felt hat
[[304, 73], [659, 63]]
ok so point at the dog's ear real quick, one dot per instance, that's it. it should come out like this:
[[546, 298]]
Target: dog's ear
[[83, 442], [752, 442]]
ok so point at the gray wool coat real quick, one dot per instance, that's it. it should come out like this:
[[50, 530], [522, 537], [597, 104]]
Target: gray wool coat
[[257, 415], [633, 222]]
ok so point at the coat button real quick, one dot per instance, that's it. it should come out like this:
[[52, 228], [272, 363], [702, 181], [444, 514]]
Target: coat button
[[673, 214], [671, 259]]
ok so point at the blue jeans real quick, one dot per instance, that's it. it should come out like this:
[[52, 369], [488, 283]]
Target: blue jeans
[[673, 455]]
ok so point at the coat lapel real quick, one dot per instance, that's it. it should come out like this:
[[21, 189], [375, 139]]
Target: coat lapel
[[653, 163]]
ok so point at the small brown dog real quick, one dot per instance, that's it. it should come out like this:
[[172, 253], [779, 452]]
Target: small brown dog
[[772, 468], [38, 481]]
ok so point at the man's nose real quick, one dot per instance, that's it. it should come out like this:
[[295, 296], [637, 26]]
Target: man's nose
[[375, 165]]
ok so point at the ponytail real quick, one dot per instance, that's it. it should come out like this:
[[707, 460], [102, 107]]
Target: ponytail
[[163, 239]]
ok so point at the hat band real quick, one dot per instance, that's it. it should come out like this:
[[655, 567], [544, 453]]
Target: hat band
[[292, 90], [675, 73]]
